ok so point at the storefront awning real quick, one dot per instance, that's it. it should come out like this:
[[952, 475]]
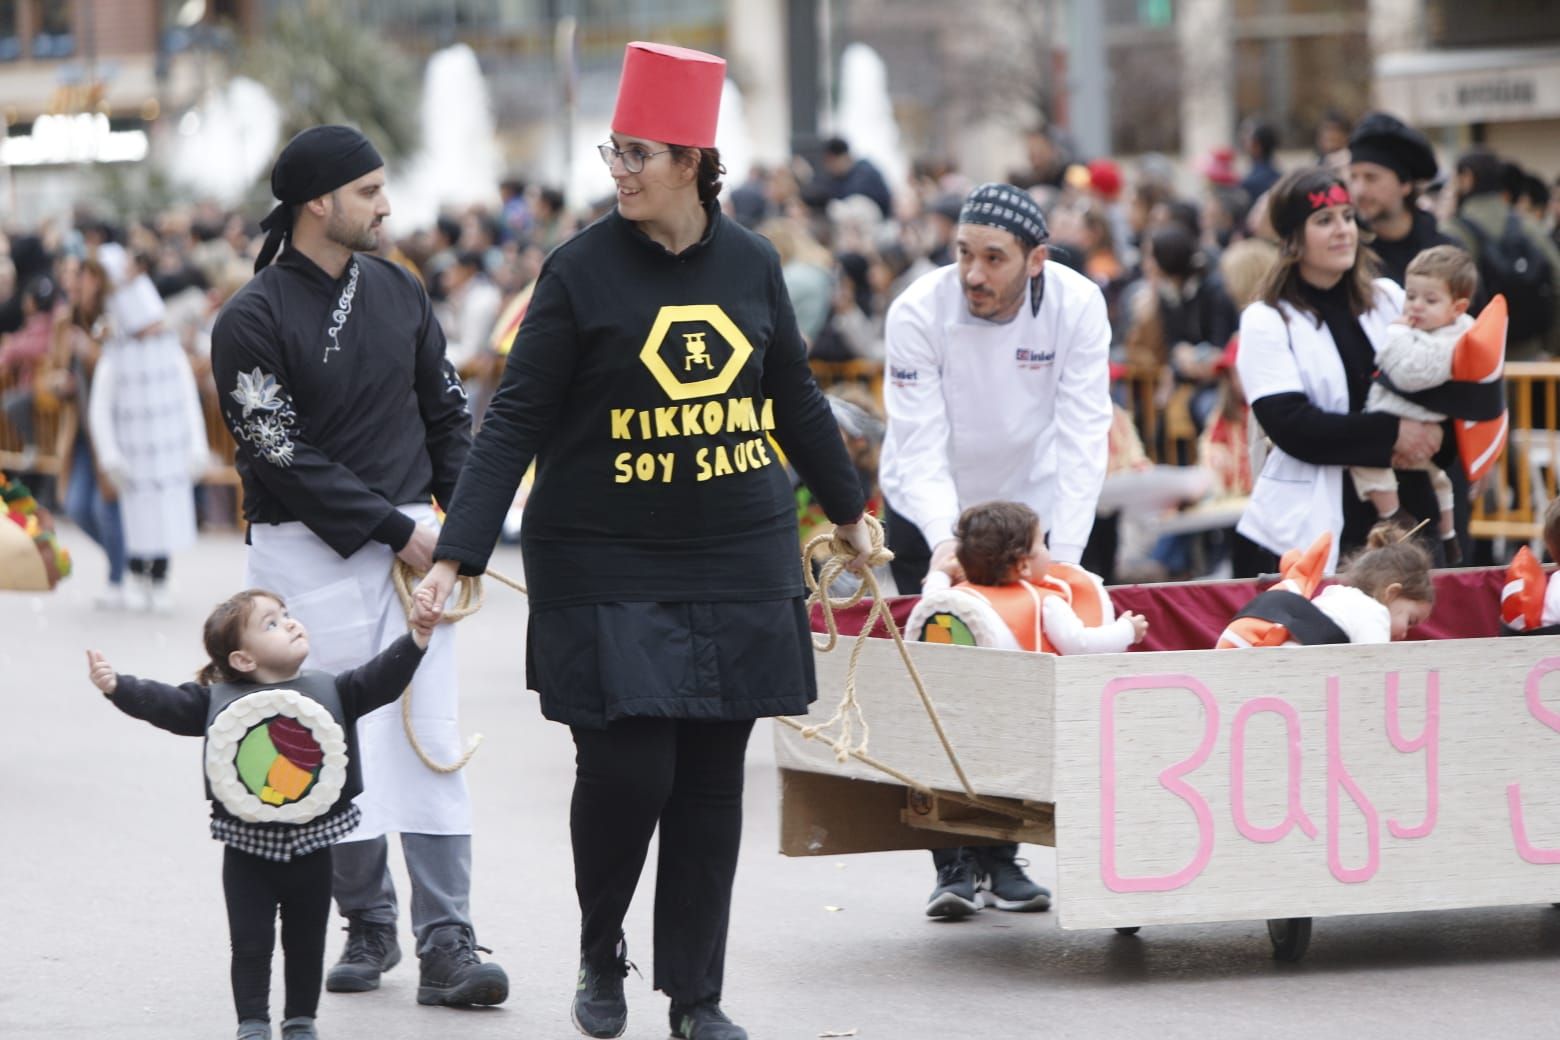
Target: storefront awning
[[1452, 88]]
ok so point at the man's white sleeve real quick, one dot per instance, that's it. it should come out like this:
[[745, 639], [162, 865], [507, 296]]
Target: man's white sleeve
[[919, 481], [1083, 415], [1070, 635]]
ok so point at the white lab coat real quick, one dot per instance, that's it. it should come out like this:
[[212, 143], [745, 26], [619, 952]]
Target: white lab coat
[[1292, 502]]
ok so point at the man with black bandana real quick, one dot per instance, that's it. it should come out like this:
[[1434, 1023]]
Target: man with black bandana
[[1388, 161], [997, 387], [348, 419]]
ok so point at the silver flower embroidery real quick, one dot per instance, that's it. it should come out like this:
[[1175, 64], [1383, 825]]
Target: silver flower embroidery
[[268, 418], [257, 390]]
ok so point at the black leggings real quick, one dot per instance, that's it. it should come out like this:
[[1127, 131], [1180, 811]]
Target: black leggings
[[155, 567], [685, 775], [255, 888]]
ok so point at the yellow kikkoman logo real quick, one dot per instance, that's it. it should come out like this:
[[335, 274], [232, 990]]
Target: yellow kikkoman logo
[[695, 352]]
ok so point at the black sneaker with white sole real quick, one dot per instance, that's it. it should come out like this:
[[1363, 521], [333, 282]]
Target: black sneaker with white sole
[[1000, 881], [954, 896], [600, 1008], [704, 1021]]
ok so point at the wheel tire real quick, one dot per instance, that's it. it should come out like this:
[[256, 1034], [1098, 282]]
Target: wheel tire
[[1290, 935], [1131, 929]]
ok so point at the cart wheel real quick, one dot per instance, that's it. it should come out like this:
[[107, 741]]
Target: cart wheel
[[1290, 935], [1129, 929]]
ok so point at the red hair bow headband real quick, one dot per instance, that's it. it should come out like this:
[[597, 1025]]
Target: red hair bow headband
[[1337, 195], [1289, 217]]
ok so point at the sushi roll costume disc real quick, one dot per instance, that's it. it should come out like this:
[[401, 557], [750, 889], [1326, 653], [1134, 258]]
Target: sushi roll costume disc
[[276, 756]]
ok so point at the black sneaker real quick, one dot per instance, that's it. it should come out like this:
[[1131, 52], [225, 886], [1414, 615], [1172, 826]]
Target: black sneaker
[[704, 1021], [371, 949], [954, 896], [1002, 883], [453, 974], [600, 1009]]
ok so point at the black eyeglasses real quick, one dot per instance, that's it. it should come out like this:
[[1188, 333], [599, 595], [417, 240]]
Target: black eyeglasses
[[633, 157]]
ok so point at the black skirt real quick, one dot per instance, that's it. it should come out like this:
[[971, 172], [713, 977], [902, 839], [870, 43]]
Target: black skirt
[[718, 661]]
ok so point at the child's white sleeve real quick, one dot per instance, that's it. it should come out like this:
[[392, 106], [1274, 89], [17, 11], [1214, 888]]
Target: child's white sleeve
[[935, 581], [1417, 360], [1070, 635], [1551, 614]]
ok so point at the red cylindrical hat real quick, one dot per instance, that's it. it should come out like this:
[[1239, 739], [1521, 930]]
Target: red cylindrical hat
[[669, 94]]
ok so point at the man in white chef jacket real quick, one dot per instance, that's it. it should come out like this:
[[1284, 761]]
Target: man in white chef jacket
[[997, 387]]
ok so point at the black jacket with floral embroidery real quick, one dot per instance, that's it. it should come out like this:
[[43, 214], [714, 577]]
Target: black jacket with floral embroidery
[[340, 399]]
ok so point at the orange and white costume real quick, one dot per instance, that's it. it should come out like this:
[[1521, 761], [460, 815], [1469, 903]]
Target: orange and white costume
[[1066, 612]]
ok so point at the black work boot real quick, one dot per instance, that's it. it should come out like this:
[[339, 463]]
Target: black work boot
[[453, 974], [600, 1009], [704, 1021], [371, 949]]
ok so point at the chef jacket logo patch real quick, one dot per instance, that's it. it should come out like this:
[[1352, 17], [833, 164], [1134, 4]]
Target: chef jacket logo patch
[[1031, 359], [694, 351]]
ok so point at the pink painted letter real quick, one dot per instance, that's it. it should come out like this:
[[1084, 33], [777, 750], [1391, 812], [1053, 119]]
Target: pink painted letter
[[1170, 778], [1338, 778], [1296, 815], [1430, 740], [1526, 849]]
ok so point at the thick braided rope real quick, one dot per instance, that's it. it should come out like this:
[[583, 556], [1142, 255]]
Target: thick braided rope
[[468, 600], [836, 556]]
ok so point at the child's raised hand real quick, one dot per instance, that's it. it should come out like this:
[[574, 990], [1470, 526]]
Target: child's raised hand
[[101, 672], [1139, 626]]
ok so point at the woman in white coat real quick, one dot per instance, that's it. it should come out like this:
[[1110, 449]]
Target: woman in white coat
[[1307, 354]]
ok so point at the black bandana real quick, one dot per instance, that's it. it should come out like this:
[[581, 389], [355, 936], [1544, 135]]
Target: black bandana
[[316, 162], [1008, 208]]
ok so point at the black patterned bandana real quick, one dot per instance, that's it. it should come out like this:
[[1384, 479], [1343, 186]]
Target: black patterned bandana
[[1009, 208]]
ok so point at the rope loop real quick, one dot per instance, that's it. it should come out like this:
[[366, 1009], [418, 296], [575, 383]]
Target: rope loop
[[825, 558], [468, 600]]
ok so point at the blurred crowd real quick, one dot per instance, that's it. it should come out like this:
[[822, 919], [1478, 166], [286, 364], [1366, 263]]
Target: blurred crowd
[[1176, 266]]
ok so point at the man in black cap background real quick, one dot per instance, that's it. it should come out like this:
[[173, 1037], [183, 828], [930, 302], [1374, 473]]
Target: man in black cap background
[[1388, 163], [349, 420], [997, 387]]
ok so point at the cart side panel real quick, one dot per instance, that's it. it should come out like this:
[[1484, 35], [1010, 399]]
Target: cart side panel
[[995, 705], [1307, 782]]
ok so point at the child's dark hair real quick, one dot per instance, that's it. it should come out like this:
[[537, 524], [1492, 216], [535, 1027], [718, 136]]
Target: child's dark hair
[[1390, 558], [222, 633], [994, 538], [1552, 528]]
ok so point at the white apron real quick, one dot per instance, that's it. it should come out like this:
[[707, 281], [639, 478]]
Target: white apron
[[351, 612]]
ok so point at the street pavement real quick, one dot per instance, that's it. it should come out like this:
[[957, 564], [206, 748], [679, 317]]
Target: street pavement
[[112, 917]]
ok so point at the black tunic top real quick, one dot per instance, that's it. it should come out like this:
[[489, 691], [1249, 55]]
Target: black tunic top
[[646, 385], [340, 399]]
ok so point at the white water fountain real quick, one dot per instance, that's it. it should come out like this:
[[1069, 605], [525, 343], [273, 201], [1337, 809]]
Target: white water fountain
[[458, 163], [733, 137], [865, 114], [222, 145]]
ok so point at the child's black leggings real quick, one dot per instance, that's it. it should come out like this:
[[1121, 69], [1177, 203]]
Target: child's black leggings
[[255, 889]]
